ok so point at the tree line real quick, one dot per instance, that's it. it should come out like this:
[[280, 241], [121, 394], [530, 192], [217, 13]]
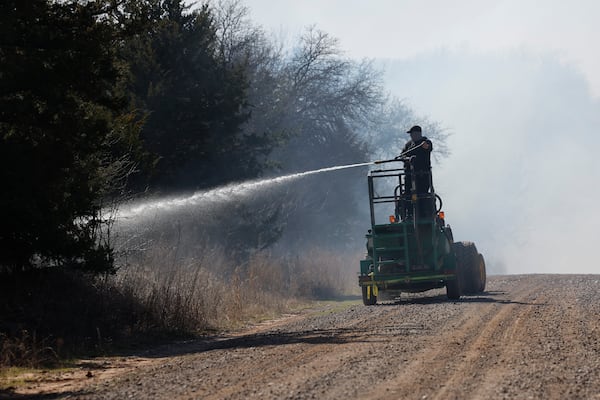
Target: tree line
[[102, 99]]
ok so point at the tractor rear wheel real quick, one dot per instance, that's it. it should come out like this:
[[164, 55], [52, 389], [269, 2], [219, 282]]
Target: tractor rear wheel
[[482, 274], [368, 300], [468, 264]]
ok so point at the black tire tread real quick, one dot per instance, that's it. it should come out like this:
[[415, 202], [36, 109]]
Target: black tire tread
[[467, 258], [483, 274], [453, 289]]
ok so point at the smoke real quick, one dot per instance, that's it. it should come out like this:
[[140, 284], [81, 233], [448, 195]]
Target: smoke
[[522, 177]]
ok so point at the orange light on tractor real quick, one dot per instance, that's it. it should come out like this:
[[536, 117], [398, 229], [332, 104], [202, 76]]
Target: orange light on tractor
[[441, 215], [392, 219]]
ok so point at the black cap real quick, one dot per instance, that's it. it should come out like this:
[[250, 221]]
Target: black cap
[[415, 128]]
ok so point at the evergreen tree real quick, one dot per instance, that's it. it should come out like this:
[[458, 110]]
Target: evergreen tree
[[60, 133], [192, 101]]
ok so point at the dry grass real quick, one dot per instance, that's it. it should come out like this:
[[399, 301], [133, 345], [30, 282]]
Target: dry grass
[[26, 350], [213, 292], [158, 294]]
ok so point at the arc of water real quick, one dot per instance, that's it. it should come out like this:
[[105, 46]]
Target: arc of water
[[218, 194]]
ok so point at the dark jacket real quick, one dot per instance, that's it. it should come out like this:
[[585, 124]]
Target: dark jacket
[[422, 161]]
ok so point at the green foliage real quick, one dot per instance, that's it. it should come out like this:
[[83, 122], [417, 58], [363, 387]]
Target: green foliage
[[59, 133], [192, 101]]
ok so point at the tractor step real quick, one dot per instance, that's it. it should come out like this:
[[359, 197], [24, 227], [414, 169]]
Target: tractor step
[[389, 262], [390, 248]]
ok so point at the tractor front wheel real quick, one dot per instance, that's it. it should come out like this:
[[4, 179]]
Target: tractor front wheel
[[369, 299], [453, 289]]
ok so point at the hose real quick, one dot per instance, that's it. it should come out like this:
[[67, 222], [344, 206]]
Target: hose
[[401, 156]]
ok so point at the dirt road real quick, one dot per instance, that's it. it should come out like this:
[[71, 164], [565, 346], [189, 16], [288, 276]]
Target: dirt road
[[535, 336]]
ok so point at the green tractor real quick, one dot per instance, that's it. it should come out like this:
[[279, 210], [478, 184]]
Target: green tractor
[[410, 248]]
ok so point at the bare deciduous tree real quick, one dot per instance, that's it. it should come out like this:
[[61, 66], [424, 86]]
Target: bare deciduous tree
[[312, 106]]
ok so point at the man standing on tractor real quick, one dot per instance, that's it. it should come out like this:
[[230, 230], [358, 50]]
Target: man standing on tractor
[[418, 150]]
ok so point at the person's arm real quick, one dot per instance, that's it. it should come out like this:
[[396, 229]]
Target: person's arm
[[428, 145]]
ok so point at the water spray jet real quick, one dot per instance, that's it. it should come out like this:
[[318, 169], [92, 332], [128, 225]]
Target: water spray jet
[[142, 209]]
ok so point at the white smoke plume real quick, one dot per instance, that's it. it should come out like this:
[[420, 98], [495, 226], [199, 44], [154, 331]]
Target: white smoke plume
[[522, 179]]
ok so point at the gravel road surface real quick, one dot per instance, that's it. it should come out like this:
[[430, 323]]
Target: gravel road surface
[[527, 337]]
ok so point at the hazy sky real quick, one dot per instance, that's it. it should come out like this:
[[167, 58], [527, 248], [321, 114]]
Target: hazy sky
[[517, 83], [406, 28]]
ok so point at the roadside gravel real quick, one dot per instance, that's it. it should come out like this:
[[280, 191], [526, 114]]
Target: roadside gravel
[[530, 336]]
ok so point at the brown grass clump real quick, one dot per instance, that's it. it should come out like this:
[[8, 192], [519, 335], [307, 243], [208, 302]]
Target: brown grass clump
[[49, 314], [26, 350], [210, 292]]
